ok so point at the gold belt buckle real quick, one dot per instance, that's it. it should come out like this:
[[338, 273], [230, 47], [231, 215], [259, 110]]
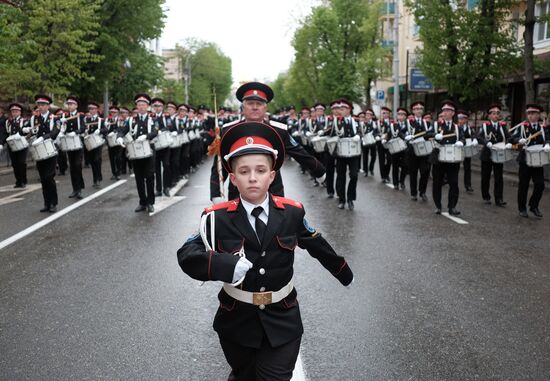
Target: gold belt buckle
[[259, 298]]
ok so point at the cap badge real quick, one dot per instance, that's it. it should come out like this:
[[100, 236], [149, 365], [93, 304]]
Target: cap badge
[[249, 140]]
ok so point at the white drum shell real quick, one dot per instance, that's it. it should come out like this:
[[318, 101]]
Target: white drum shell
[[93, 141], [536, 157], [43, 150], [396, 145], [369, 139], [184, 137], [470, 150], [17, 143], [348, 147], [70, 143], [163, 140], [332, 144], [449, 153], [499, 154], [138, 150], [319, 143], [422, 147], [111, 139]]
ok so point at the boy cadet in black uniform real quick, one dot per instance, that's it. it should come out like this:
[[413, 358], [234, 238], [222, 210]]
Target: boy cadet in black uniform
[[141, 128], [490, 133], [369, 126], [95, 125], [384, 157], [258, 322], [468, 133], [530, 133], [116, 152], [12, 126], [446, 127], [162, 157], [394, 130], [73, 124]]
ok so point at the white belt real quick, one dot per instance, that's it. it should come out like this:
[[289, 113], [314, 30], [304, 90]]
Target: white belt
[[259, 298]]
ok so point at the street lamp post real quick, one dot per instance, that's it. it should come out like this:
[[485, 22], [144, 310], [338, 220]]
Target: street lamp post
[[396, 56]]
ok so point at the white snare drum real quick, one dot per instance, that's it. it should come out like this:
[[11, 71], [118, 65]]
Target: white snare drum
[[368, 139], [303, 139], [176, 141], [43, 150], [17, 142], [191, 135], [396, 145], [111, 139], [70, 143], [536, 157], [499, 153], [319, 143], [197, 134], [93, 141], [163, 140], [422, 147], [348, 147], [332, 144], [184, 137], [128, 138], [449, 153], [470, 150], [138, 150]]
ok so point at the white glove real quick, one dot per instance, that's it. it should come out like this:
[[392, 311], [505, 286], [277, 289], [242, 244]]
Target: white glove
[[356, 138], [141, 138], [241, 268], [459, 144], [72, 133], [38, 141], [174, 133], [508, 146], [120, 141], [61, 134], [407, 138], [377, 138], [475, 142], [438, 137], [309, 133], [489, 145], [546, 147], [96, 132], [322, 178], [26, 130], [321, 133], [1, 147], [217, 200], [384, 141], [63, 119], [522, 141]]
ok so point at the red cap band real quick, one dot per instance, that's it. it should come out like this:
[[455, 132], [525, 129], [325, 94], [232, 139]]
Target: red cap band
[[255, 93]]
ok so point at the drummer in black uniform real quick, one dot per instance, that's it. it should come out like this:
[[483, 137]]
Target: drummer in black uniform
[[384, 157], [74, 125], [258, 321], [162, 157], [95, 125], [468, 133], [369, 126], [16, 125]]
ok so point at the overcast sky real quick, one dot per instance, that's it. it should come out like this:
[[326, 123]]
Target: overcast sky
[[255, 34]]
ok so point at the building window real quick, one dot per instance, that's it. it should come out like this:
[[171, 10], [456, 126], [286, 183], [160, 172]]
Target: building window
[[541, 29]]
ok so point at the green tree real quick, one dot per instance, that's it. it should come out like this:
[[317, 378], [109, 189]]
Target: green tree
[[467, 52]]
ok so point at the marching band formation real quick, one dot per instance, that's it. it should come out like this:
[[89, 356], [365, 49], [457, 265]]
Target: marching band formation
[[162, 142]]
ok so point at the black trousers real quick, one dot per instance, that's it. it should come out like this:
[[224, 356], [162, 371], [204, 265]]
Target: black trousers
[[185, 159], [144, 170], [526, 174], [75, 166], [124, 163], [162, 169], [384, 160], [46, 170], [467, 164], [369, 151], [62, 161], [330, 165], [418, 164], [448, 171], [19, 163], [195, 153], [342, 164], [496, 168], [94, 156], [115, 156], [399, 168], [175, 157], [261, 364]]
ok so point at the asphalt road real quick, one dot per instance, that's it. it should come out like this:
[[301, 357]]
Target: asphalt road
[[98, 293]]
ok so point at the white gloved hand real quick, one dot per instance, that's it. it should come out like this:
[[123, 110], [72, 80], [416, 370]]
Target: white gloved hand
[[72, 133], [489, 145], [141, 138], [475, 142], [120, 141], [522, 141], [63, 119], [1, 147], [309, 133], [217, 200], [26, 130], [546, 147], [508, 146], [459, 144], [38, 141], [409, 137], [438, 137], [61, 134], [322, 178], [356, 138], [384, 141], [321, 133], [241, 268], [377, 138], [96, 132], [174, 133]]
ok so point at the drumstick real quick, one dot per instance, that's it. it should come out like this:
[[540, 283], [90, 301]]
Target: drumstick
[[534, 136], [91, 124], [72, 117], [448, 135], [420, 134]]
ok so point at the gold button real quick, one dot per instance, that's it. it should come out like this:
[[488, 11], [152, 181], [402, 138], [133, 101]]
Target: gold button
[[262, 271], [262, 289], [262, 306], [263, 254]]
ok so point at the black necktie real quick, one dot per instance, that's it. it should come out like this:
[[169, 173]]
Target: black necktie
[[260, 226]]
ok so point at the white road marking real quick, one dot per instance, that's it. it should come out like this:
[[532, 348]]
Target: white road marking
[[166, 202], [6, 201], [299, 374], [29, 188], [16, 196], [55, 216], [459, 221]]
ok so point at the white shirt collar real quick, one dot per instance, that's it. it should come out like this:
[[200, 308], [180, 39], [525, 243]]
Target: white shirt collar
[[249, 206]]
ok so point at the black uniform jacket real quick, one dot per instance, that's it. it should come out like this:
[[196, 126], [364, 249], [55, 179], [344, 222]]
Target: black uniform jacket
[[245, 323], [12, 127], [525, 131], [488, 133]]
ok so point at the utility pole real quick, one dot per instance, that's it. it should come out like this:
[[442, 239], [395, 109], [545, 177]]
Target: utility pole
[[187, 77], [106, 100], [396, 56]]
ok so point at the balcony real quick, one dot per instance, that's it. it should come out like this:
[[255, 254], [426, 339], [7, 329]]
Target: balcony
[[388, 9]]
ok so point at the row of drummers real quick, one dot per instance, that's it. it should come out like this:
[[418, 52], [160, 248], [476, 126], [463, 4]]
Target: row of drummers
[[413, 141]]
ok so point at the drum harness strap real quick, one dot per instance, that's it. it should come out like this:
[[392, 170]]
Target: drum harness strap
[[524, 133], [501, 130]]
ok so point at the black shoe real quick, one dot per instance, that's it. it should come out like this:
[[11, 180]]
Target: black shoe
[[45, 209], [487, 201], [23, 186], [330, 195], [523, 213], [386, 181], [453, 212], [500, 203], [166, 192], [78, 195], [95, 185], [396, 187], [150, 208], [18, 186], [469, 190], [371, 173], [140, 208], [414, 198], [536, 212], [158, 194], [73, 195], [438, 211], [366, 174], [113, 177], [117, 178], [315, 183], [340, 205], [350, 205], [424, 197], [53, 209], [61, 173], [402, 185]]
